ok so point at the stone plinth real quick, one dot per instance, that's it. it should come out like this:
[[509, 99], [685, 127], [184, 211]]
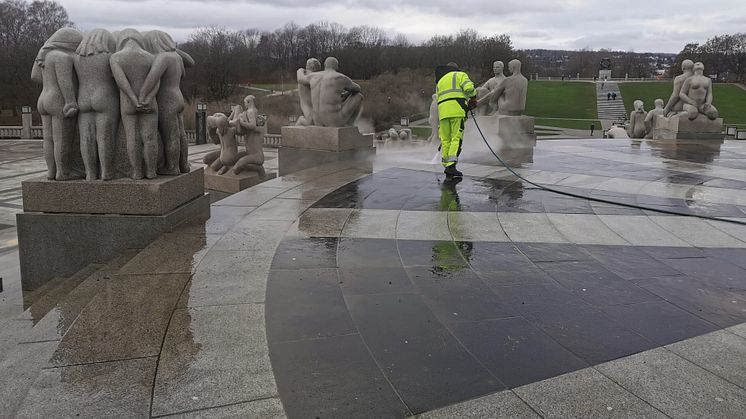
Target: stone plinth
[[64, 226], [682, 128], [305, 147], [120, 196], [325, 138], [511, 137], [232, 183]]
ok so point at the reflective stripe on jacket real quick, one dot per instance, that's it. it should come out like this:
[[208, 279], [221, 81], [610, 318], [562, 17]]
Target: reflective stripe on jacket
[[453, 90]]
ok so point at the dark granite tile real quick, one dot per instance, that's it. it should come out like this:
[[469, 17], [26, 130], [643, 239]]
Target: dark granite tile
[[386, 199], [442, 255], [456, 296], [734, 256], [305, 304], [660, 321], [716, 305], [595, 284], [553, 252], [347, 196], [376, 253], [673, 252], [588, 333], [424, 362], [515, 351], [306, 253], [332, 377], [712, 272], [531, 298], [369, 280], [630, 262]]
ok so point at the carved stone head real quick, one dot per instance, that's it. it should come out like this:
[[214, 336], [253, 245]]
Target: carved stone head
[[129, 34], [312, 65], [498, 67], [698, 68], [514, 66], [331, 63], [97, 41], [687, 65], [158, 41]]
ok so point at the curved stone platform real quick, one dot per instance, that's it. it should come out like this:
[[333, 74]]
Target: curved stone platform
[[336, 292]]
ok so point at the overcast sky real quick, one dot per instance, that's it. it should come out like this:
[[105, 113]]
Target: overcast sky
[[639, 25]]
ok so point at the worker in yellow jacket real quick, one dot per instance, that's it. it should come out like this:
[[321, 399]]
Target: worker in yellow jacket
[[456, 94]]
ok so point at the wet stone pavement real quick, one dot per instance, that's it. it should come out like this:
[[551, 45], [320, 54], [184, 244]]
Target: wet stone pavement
[[344, 292]]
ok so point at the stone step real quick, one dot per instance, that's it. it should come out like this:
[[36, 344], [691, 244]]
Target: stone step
[[30, 297], [27, 347], [46, 302]]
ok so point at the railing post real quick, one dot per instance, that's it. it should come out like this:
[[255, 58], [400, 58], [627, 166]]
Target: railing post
[[201, 124], [26, 122]]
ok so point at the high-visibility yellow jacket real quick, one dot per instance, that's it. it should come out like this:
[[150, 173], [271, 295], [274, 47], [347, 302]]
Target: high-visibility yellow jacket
[[453, 90]]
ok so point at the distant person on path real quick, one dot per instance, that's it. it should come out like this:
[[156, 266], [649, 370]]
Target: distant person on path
[[456, 95], [608, 95], [613, 96], [593, 126]]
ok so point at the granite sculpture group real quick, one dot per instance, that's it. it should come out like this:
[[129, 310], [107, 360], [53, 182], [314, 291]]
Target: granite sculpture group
[[328, 98], [93, 83], [246, 122], [688, 114]]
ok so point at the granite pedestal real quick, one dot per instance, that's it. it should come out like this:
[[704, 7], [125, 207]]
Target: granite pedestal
[[232, 183], [305, 147], [68, 225], [682, 128], [511, 137]]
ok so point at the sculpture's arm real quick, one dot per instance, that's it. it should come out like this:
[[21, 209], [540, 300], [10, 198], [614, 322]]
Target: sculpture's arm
[[708, 100], [63, 70], [36, 75], [121, 79], [153, 80], [498, 92], [248, 122], [649, 117], [186, 58], [303, 78], [353, 87], [683, 96], [672, 100]]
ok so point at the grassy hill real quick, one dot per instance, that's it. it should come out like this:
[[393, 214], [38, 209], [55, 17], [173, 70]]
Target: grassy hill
[[573, 103], [729, 99]]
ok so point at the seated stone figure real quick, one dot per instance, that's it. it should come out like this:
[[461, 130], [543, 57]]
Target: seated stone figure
[[484, 92], [336, 99], [696, 95], [650, 117], [510, 95], [252, 126], [637, 121], [228, 146], [304, 92], [674, 104]]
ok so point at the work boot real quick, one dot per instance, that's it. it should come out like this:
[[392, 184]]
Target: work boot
[[451, 172]]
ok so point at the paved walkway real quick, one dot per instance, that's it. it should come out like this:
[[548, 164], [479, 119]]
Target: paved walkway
[[349, 292], [609, 110]]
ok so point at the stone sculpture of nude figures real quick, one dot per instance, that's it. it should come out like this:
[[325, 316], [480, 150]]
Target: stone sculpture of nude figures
[[484, 93], [637, 121], [58, 104], [337, 100], [650, 117], [98, 99], [304, 92], [163, 83], [228, 145], [510, 94], [674, 104], [130, 66], [696, 94], [252, 126]]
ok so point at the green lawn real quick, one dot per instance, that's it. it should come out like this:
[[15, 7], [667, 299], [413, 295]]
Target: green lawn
[[558, 99], [729, 99], [421, 132], [278, 87], [583, 124]]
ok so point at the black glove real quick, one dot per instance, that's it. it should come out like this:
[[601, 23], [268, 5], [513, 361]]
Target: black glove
[[472, 103]]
